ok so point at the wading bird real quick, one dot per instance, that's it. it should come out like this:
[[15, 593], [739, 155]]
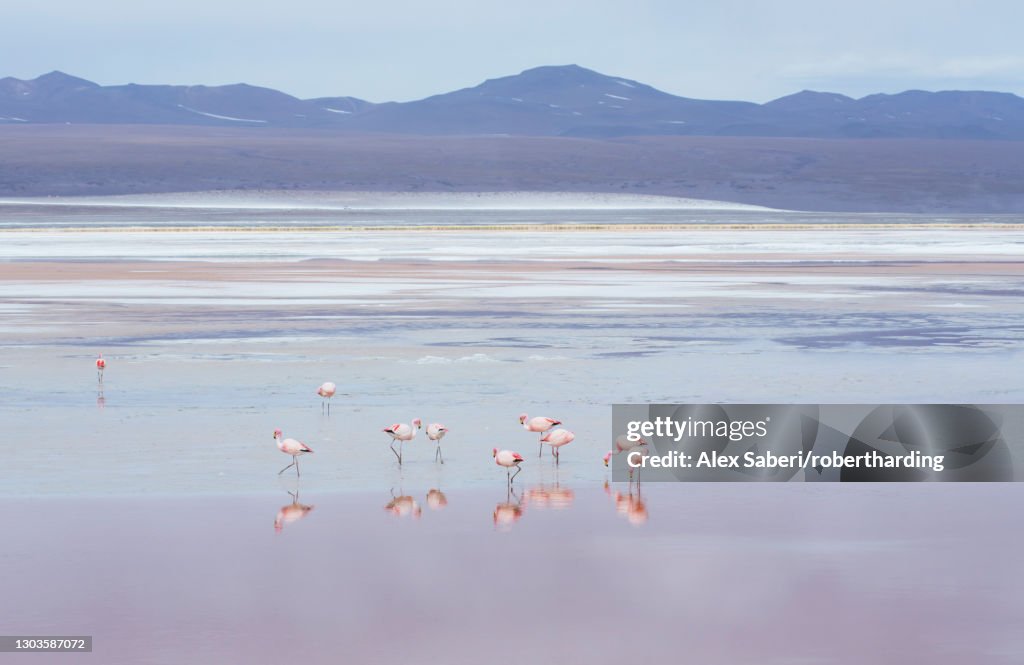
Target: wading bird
[[326, 391], [436, 432], [293, 448], [508, 459], [101, 365], [556, 439], [537, 424], [624, 446], [401, 432]]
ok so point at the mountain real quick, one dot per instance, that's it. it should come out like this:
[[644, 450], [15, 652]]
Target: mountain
[[59, 98], [557, 101], [545, 101]]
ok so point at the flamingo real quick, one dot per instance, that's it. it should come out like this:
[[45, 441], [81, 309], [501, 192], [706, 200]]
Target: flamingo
[[556, 439], [436, 432], [101, 365], [326, 391], [401, 432], [292, 512], [293, 448], [625, 446], [508, 459], [537, 424]]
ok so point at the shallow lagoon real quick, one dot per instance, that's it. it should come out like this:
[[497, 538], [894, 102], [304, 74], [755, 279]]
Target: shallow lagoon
[[144, 509]]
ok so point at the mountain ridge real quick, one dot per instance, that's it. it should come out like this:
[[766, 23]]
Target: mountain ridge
[[551, 100]]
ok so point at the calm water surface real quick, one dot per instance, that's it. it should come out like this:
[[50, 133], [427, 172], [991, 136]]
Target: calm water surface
[[147, 512]]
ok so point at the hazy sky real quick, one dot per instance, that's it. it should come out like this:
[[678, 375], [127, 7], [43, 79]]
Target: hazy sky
[[727, 49]]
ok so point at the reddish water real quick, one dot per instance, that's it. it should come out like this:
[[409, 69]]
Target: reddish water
[[685, 573]]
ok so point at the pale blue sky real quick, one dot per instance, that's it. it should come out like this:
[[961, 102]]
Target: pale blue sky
[[730, 49]]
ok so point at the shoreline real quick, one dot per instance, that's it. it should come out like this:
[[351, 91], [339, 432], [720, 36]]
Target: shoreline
[[524, 228], [387, 201]]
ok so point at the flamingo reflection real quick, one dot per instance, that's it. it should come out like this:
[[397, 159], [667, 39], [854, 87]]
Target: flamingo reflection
[[631, 506], [290, 513], [508, 513], [549, 495], [436, 500], [403, 505]]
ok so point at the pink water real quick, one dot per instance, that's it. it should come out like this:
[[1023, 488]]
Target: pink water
[[681, 573]]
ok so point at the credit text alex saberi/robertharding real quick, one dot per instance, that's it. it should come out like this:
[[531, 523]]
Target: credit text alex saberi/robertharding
[[750, 460]]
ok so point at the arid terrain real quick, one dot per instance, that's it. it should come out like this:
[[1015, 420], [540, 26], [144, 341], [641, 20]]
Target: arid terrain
[[900, 175]]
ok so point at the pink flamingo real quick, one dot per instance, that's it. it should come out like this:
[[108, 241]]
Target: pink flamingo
[[508, 459], [101, 365], [326, 391], [556, 439], [436, 432], [537, 424], [293, 448], [401, 432], [625, 446]]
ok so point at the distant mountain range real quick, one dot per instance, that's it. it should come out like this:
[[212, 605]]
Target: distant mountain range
[[566, 101]]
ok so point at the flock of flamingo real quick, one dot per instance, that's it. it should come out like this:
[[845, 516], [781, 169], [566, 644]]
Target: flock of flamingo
[[402, 433], [505, 514]]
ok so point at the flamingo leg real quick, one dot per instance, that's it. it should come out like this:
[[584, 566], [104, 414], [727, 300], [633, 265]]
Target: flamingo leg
[[297, 474], [287, 467], [540, 453], [397, 456], [557, 456], [518, 469]]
